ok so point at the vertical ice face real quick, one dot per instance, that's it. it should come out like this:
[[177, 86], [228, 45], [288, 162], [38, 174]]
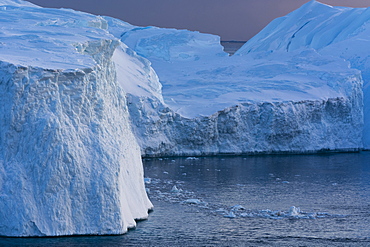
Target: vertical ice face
[[335, 31], [266, 102], [69, 162]]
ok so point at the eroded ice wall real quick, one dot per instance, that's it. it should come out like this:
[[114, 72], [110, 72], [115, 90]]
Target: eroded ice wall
[[69, 162], [335, 31], [267, 102]]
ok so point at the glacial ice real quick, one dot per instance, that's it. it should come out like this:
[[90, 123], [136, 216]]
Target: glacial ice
[[83, 95], [212, 103], [69, 162], [336, 31]]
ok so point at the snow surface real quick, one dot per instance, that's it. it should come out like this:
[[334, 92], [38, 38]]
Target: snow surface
[[337, 31], [69, 162], [213, 103]]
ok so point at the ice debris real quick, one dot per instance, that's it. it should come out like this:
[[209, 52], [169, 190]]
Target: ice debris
[[175, 189], [192, 201], [185, 197]]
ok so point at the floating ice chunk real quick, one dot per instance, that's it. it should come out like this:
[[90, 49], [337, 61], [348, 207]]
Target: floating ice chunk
[[165, 172], [175, 189], [285, 182], [230, 215], [237, 208], [192, 201], [147, 180], [192, 158], [221, 210], [294, 211], [244, 215]]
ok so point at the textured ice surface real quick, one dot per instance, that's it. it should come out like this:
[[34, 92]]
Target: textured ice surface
[[337, 31], [69, 162], [70, 90], [301, 101]]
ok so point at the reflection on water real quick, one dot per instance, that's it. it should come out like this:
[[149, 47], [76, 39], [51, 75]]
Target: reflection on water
[[294, 200]]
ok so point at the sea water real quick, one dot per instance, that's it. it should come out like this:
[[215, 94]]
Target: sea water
[[232, 46], [282, 200]]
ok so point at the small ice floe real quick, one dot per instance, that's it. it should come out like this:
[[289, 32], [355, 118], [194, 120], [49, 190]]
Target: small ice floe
[[175, 189], [192, 158], [147, 180], [165, 172], [221, 211], [237, 208], [184, 174], [285, 182], [173, 161], [192, 201], [244, 215], [278, 179], [294, 211], [230, 215]]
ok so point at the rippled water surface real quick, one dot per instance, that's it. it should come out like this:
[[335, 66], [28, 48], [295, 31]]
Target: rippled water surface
[[287, 200]]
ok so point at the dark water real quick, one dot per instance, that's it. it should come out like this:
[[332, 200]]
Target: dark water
[[232, 46], [247, 201]]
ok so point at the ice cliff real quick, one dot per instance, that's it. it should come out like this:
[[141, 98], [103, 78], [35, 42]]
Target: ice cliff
[[69, 162], [336, 31], [267, 102]]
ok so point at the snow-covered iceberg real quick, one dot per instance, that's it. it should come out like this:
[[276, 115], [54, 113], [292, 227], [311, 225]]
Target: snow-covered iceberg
[[69, 162], [336, 31], [212, 103]]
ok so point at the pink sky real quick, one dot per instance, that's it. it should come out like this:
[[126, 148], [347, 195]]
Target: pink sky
[[231, 19]]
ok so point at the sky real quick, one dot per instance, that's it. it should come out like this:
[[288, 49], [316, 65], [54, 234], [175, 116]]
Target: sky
[[231, 19]]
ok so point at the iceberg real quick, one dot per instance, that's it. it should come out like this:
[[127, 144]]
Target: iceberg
[[84, 97], [341, 32], [204, 102], [69, 161]]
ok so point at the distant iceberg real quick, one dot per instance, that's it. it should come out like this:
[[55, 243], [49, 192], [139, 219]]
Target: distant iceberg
[[264, 102], [332, 31]]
